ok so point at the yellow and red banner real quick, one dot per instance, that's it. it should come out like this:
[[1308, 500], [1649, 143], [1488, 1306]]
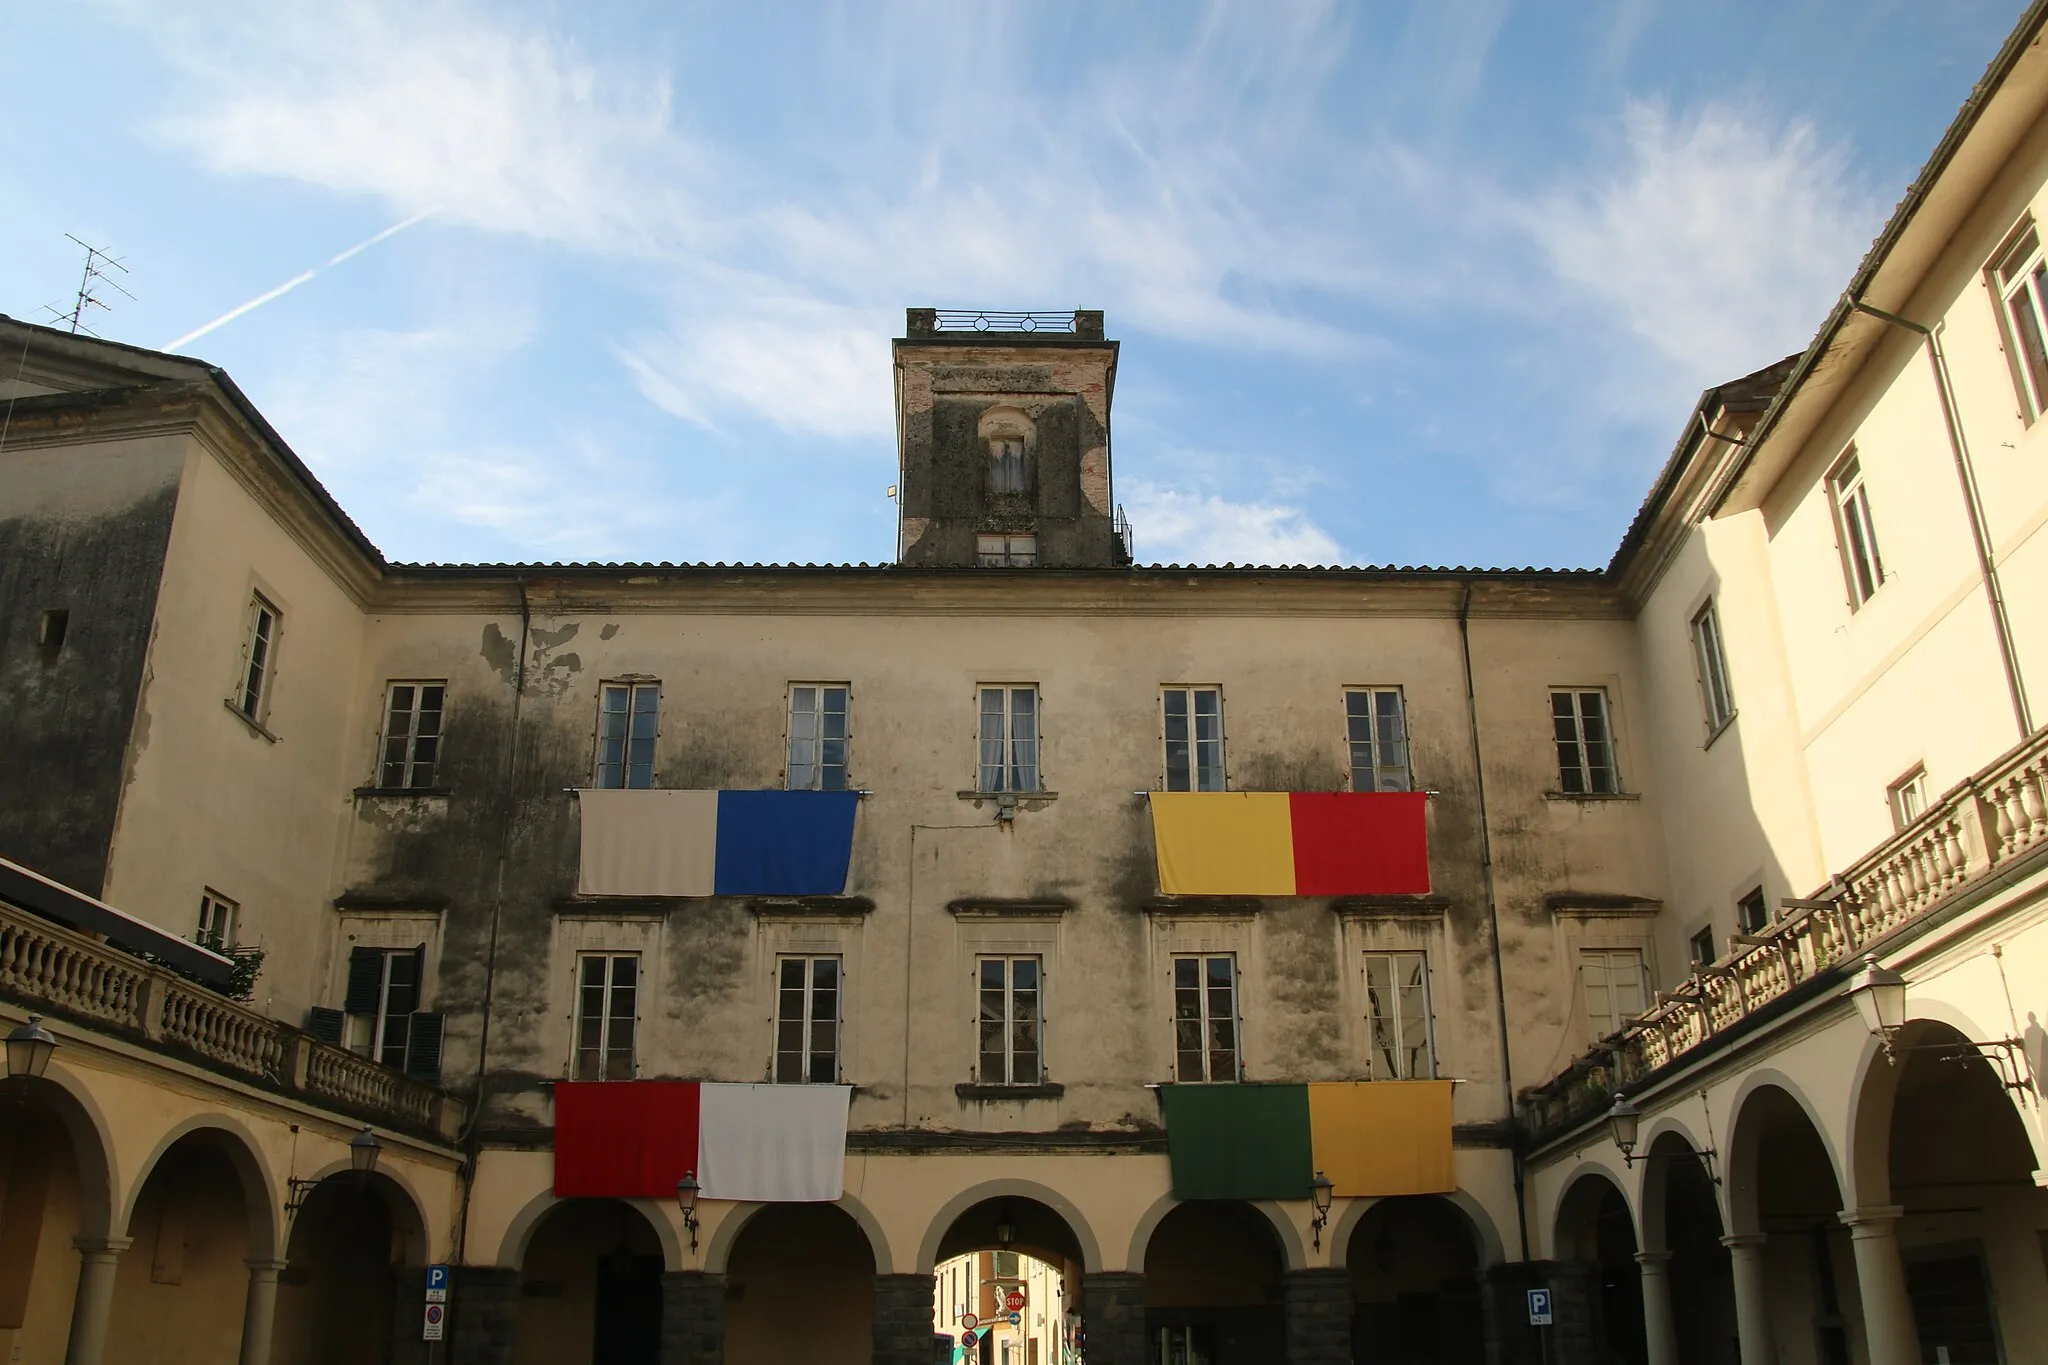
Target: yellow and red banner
[[1291, 843]]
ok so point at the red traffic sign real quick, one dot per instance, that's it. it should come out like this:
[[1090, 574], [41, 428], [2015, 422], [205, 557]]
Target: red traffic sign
[[1014, 1300], [969, 1321], [968, 1338]]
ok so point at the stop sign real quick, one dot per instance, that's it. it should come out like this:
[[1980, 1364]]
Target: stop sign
[[1014, 1300]]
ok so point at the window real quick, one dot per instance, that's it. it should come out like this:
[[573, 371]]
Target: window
[[1753, 913], [1585, 745], [807, 1020], [1010, 989], [1701, 947], [1377, 729], [259, 660], [1007, 470], [1713, 666], [817, 737], [1194, 739], [383, 993], [607, 1015], [628, 716], [2022, 281], [1614, 987], [1397, 1009], [1006, 552], [217, 918], [1205, 1018], [412, 734], [1855, 530], [1908, 798], [1009, 739]]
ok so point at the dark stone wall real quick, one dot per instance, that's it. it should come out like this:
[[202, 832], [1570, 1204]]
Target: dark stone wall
[[1319, 1309], [66, 714], [903, 1322], [1113, 1318], [483, 1315], [692, 1318]]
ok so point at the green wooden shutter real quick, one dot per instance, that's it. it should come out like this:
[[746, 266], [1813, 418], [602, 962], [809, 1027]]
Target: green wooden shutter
[[325, 1024], [365, 980], [423, 1047]]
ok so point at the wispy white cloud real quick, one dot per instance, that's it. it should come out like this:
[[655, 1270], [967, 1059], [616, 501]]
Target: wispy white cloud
[[1175, 527]]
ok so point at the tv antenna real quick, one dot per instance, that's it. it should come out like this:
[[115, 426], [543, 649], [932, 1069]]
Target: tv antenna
[[97, 264]]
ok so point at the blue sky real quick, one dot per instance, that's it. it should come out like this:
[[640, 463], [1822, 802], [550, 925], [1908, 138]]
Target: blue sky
[[1429, 283]]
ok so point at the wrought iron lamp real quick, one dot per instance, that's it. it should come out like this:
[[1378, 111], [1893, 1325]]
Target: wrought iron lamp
[[1625, 1122], [1320, 1189], [687, 1190], [29, 1048], [363, 1151], [1006, 1230], [1880, 996]]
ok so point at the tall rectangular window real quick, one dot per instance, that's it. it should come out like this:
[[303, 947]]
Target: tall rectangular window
[[1718, 697], [1205, 1042], [628, 719], [259, 659], [1854, 529], [1614, 986], [2022, 281], [383, 993], [1009, 739], [218, 918], [817, 737], [807, 991], [1908, 798], [1397, 1010], [1377, 728], [412, 734], [1700, 947], [607, 1015], [1194, 739], [1010, 1023], [1753, 913], [1585, 743]]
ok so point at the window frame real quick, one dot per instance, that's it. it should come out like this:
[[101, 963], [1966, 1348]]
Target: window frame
[[1744, 921], [380, 1039], [2022, 308], [1192, 719], [790, 739], [806, 1053], [607, 1016], [256, 680], [1205, 1019], [1710, 657], [633, 689], [214, 906], [1012, 550], [1848, 489], [1403, 1070], [409, 766], [1703, 938], [1374, 740], [1006, 768], [1011, 1018], [1909, 789], [1583, 770], [1607, 954]]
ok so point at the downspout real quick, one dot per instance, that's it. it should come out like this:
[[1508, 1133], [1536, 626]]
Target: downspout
[[471, 1144], [1973, 505], [1500, 985]]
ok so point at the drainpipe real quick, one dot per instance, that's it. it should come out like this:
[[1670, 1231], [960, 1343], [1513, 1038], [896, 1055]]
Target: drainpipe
[[1500, 985], [1973, 505], [470, 1142]]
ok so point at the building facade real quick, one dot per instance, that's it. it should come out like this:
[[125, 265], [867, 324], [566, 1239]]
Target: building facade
[[1685, 818]]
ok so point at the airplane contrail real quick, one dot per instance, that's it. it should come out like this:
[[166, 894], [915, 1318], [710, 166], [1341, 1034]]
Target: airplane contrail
[[294, 282]]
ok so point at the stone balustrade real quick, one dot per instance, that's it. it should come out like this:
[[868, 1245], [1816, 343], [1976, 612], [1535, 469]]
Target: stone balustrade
[[1980, 827], [75, 976]]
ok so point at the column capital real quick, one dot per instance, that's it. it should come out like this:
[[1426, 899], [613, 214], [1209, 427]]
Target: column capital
[[1650, 1259], [1872, 1220], [259, 1265], [1743, 1241], [102, 1246]]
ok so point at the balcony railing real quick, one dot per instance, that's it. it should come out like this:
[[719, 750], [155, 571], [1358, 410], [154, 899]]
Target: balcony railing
[[76, 977], [1977, 829]]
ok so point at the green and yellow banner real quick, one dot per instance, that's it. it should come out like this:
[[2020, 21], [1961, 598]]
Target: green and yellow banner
[[1251, 1141]]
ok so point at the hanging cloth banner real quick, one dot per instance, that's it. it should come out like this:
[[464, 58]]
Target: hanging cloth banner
[[1383, 1137], [1251, 1141], [771, 1144], [715, 843], [1291, 843]]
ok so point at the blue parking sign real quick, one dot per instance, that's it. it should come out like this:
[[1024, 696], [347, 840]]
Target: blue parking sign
[[437, 1277], [1539, 1308]]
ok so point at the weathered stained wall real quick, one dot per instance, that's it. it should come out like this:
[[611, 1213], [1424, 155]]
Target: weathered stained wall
[[82, 530]]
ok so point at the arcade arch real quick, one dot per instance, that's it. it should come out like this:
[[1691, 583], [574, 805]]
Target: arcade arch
[[1597, 1236], [347, 1245], [1213, 1284], [800, 1285], [590, 1286], [1414, 1262]]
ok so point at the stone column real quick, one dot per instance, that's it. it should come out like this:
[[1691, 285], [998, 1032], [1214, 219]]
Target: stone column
[[483, 1314], [259, 1316], [905, 1331], [1319, 1310], [1752, 1296], [1578, 1331], [692, 1318], [1888, 1331], [1660, 1328], [99, 1258], [1113, 1318]]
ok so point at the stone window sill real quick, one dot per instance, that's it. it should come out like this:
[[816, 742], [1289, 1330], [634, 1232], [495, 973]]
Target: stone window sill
[[1050, 1090], [1583, 797], [389, 792], [258, 726]]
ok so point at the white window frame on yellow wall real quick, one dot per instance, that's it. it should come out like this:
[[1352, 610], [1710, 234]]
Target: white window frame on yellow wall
[[2019, 278], [262, 629], [1400, 1019], [1606, 1007], [1855, 529], [1711, 655]]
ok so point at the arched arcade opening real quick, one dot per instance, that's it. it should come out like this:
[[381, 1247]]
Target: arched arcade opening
[[800, 1285], [1598, 1237], [1414, 1263], [1213, 1287], [590, 1287], [342, 1296]]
